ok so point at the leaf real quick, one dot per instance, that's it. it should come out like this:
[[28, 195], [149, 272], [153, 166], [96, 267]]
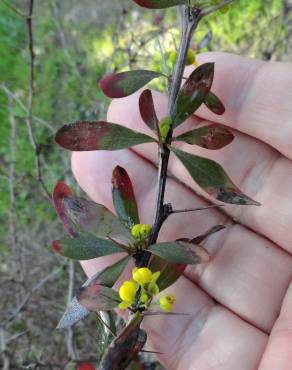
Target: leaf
[[62, 191], [160, 4], [124, 198], [213, 179], [85, 247], [94, 218], [169, 272], [210, 137], [147, 110], [193, 93], [180, 252], [125, 347], [214, 104], [98, 298], [107, 277], [120, 85], [85, 366], [98, 135]]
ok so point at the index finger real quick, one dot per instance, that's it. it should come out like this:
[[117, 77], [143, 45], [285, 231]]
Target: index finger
[[257, 96]]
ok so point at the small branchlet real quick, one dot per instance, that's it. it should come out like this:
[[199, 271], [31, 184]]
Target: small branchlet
[[95, 231]]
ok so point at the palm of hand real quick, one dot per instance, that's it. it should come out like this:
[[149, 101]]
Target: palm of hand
[[240, 304]]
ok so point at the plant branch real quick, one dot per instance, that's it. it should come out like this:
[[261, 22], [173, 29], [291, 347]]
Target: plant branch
[[31, 93], [189, 23], [195, 209]]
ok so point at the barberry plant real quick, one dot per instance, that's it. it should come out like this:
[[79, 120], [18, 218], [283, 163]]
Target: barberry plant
[[94, 231]]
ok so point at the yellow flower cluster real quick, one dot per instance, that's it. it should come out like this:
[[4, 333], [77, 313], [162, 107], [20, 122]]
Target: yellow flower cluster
[[141, 289], [144, 281], [141, 231]]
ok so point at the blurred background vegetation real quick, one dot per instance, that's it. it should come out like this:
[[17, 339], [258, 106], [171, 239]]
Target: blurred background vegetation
[[76, 43]]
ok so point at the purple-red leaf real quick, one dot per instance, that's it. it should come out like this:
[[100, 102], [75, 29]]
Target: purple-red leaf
[[147, 110], [107, 277], [160, 4], [98, 298], [193, 93], [120, 85], [94, 218], [180, 252], [212, 178], [62, 191], [214, 104], [210, 137], [124, 197], [86, 366], [98, 135], [125, 347]]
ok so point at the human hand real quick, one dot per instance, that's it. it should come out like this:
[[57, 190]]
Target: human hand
[[240, 303]]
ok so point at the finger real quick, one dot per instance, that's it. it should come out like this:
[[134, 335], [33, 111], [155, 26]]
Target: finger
[[244, 268], [278, 355], [210, 337], [259, 170], [257, 96]]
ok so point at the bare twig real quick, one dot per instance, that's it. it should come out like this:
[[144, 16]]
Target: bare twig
[[27, 297], [14, 96], [195, 209], [29, 119], [71, 347]]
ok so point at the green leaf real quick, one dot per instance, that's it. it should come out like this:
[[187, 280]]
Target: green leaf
[[124, 198], [193, 93], [94, 218], [160, 4], [119, 85], [212, 178], [180, 252], [85, 247], [98, 135], [98, 298], [214, 104], [210, 137], [169, 272], [107, 277]]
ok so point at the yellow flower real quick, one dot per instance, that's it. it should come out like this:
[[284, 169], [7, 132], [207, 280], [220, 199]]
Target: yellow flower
[[166, 302], [145, 230], [141, 231], [128, 291], [142, 275]]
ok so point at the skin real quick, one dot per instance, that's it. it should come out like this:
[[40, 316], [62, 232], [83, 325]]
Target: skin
[[240, 303]]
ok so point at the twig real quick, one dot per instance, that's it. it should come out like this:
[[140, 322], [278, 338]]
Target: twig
[[26, 299], [3, 349], [195, 209], [10, 94], [71, 347], [29, 119], [13, 8]]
